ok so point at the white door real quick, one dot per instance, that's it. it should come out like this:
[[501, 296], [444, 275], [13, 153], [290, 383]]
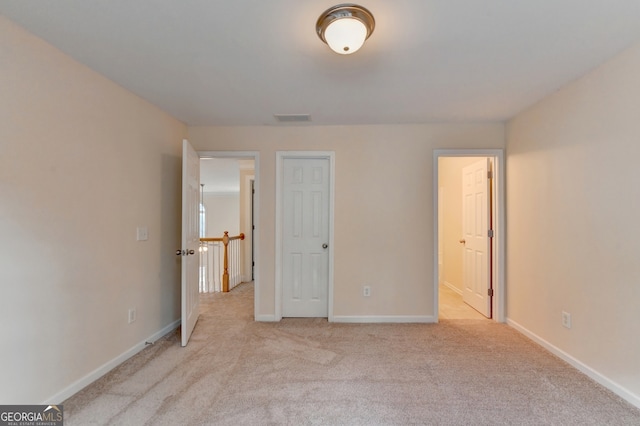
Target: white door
[[190, 239], [477, 244], [305, 237]]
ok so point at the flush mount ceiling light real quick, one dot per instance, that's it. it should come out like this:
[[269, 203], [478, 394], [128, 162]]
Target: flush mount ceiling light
[[345, 27]]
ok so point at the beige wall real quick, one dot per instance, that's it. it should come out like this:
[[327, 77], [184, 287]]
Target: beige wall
[[82, 164], [573, 202], [384, 205], [223, 213]]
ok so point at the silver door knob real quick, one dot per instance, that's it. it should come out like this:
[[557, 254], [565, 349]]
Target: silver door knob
[[325, 245], [191, 251], [178, 252]]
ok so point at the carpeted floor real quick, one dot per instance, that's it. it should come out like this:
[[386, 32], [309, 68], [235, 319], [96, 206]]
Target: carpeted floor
[[308, 371]]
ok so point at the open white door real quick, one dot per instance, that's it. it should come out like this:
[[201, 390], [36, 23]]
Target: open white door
[[190, 239], [476, 228]]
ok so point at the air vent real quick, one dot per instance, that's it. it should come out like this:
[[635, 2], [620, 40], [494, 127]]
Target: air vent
[[292, 118]]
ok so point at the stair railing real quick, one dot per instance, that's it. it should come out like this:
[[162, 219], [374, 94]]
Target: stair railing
[[231, 255]]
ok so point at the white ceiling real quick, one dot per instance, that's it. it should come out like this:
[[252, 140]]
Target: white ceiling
[[238, 62]]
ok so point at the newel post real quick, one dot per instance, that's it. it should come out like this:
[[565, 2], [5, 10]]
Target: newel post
[[225, 275]]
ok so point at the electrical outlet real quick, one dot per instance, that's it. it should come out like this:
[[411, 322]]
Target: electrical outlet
[[142, 233], [132, 315], [366, 291], [566, 319]]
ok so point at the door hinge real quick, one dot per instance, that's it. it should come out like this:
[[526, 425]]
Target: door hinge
[[489, 174], [490, 233], [490, 292]]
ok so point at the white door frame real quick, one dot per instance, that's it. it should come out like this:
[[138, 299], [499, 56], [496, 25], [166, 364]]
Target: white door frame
[[498, 203], [280, 157], [255, 155], [247, 271]]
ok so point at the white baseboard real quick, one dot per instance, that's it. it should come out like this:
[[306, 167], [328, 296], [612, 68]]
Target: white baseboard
[[265, 318], [397, 319], [598, 377], [452, 287], [105, 368]]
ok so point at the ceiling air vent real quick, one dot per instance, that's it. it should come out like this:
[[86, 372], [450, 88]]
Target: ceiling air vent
[[293, 118]]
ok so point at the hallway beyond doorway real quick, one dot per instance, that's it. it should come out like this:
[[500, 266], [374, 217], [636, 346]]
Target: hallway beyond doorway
[[451, 306]]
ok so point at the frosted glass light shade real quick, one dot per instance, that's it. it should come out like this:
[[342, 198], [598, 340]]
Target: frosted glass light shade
[[345, 27], [345, 35]]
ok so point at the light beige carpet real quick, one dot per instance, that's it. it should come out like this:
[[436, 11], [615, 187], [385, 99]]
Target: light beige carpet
[[308, 371]]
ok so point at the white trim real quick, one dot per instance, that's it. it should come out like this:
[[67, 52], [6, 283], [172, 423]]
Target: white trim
[[229, 154], [394, 319], [221, 193], [257, 285], [498, 306], [278, 243], [280, 156], [247, 219], [78, 385], [266, 318], [452, 287], [579, 365]]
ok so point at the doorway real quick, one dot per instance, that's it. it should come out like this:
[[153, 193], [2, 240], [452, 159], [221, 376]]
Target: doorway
[[249, 218], [450, 283]]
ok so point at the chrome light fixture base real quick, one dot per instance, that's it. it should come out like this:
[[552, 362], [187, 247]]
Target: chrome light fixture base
[[346, 11]]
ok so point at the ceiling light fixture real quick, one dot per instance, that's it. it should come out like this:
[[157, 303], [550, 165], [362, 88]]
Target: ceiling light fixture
[[345, 27]]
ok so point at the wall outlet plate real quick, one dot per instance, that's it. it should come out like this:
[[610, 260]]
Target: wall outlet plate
[[366, 291], [566, 319], [142, 233], [132, 315]]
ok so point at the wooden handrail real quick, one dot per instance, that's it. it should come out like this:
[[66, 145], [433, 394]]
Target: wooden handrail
[[210, 239], [225, 240], [226, 233]]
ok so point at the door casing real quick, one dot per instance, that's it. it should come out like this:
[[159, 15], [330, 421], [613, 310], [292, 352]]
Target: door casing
[[498, 206], [280, 157]]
